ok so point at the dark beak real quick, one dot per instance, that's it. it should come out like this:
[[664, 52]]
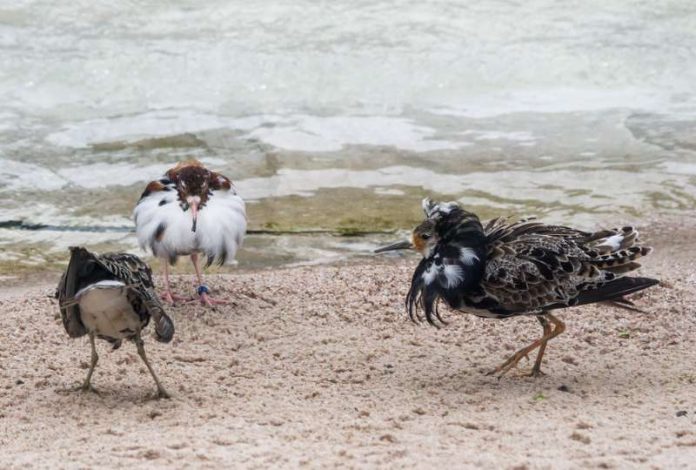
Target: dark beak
[[404, 245]]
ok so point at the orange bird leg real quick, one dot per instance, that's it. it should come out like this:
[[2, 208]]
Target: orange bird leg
[[559, 327]]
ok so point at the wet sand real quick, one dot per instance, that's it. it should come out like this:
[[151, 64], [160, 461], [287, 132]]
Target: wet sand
[[319, 366]]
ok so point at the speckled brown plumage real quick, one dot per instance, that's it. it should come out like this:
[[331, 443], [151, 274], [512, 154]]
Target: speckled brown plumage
[[510, 268], [111, 296]]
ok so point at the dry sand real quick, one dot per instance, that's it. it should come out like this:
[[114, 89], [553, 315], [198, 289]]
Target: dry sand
[[319, 366]]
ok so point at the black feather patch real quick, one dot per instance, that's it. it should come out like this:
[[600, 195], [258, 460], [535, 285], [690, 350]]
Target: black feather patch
[[160, 231], [157, 236], [444, 275], [223, 255], [612, 290]]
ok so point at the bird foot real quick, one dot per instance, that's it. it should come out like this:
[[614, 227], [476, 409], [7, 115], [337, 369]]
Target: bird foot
[[533, 372], [208, 301], [509, 364], [87, 388], [162, 393], [172, 298]]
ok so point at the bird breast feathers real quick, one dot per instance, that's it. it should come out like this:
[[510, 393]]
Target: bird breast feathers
[[221, 226], [449, 272], [164, 228]]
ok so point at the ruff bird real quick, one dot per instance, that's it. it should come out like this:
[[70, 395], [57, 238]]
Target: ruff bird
[[111, 296], [513, 268], [191, 210]]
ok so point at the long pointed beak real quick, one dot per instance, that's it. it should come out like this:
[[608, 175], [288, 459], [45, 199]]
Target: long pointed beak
[[194, 214], [403, 245]]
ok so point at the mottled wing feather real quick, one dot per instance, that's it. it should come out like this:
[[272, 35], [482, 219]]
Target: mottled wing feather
[[220, 182], [531, 272], [136, 274], [70, 313], [532, 267]]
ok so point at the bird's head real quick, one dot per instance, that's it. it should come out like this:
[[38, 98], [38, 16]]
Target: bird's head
[[424, 239], [193, 186], [440, 219]]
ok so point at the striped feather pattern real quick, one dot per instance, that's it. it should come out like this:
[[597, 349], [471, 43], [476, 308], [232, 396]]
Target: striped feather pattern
[[521, 267]]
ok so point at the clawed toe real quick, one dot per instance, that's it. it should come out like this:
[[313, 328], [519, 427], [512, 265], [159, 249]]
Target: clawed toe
[[172, 298], [87, 388], [509, 364], [161, 394], [536, 373], [208, 301]]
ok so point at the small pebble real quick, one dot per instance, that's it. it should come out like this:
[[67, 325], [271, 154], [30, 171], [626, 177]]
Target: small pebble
[[563, 388], [576, 436], [681, 413]]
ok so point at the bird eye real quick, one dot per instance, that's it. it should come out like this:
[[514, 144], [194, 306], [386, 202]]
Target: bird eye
[[425, 236]]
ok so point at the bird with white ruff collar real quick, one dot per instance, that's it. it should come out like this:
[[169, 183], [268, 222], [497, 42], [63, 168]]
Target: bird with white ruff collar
[[191, 210]]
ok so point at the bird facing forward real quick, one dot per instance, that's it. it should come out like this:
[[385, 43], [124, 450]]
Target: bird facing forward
[[111, 296], [508, 269], [191, 210]]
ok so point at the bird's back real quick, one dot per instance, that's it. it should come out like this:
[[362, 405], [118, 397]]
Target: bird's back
[[108, 285], [532, 266]]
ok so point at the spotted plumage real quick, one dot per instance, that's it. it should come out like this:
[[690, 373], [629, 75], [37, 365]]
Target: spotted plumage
[[510, 268], [111, 296], [191, 210]]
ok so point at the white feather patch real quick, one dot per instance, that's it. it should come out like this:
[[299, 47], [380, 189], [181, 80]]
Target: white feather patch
[[613, 242], [177, 238], [107, 284], [222, 225], [429, 275], [468, 256], [431, 208], [220, 229], [106, 310], [446, 207], [454, 275]]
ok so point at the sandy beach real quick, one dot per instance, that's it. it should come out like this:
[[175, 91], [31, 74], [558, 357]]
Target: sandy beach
[[319, 366], [333, 121]]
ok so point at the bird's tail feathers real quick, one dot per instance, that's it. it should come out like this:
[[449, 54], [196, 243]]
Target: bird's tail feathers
[[164, 326], [615, 290], [609, 241]]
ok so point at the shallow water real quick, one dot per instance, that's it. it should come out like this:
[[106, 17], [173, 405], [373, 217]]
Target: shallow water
[[340, 116]]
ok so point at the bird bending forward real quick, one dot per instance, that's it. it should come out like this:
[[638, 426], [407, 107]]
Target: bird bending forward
[[191, 210], [111, 296], [507, 269]]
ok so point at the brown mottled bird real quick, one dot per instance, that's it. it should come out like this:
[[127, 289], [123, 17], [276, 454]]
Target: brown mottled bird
[[508, 269], [191, 210], [111, 296]]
